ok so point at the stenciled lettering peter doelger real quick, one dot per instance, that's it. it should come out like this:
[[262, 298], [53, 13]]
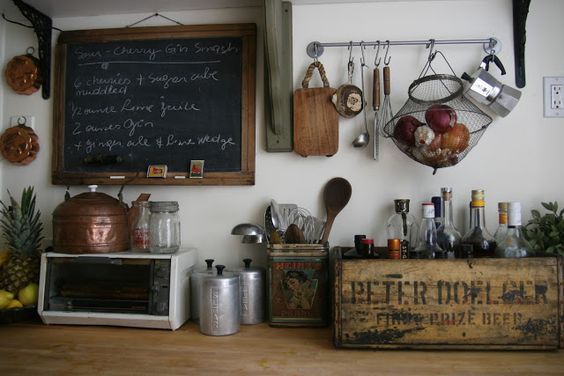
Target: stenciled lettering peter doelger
[[475, 292]]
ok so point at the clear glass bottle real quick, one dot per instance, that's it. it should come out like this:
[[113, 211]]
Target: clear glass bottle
[[482, 242], [501, 231], [140, 236], [164, 227], [514, 244], [403, 226], [448, 236], [427, 247]]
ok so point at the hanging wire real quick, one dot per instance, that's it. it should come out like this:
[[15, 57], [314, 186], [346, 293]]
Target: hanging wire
[[155, 15]]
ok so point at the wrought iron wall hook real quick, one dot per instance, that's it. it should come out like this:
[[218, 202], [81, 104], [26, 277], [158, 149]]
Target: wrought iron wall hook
[[42, 25]]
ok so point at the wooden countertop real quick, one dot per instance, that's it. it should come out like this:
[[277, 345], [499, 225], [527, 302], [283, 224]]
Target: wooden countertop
[[36, 349]]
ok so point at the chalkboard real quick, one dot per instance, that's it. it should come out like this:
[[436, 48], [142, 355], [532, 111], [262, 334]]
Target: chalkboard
[[130, 98]]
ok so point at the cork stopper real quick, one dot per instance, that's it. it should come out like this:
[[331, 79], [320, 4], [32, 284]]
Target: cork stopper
[[477, 198], [446, 193]]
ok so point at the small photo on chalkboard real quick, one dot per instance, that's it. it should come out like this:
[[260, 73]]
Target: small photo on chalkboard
[[126, 99]]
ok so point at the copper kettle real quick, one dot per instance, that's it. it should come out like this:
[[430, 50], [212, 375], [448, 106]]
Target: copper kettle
[[90, 222]]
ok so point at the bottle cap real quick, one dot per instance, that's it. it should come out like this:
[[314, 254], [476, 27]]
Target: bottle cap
[[446, 192], [502, 206], [402, 205], [394, 245], [428, 210], [436, 200], [514, 214], [477, 198]]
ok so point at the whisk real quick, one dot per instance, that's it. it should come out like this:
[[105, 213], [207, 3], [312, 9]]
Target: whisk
[[386, 112]]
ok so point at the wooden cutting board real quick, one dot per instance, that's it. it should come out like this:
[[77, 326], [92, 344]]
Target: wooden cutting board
[[316, 122]]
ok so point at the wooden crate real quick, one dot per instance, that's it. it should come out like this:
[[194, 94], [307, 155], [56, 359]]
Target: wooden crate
[[480, 304], [298, 280]]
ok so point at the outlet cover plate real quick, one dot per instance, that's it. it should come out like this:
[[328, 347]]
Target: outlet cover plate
[[553, 96]]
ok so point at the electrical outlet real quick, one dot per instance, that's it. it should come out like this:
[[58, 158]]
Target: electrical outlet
[[26, 120], [553, 96], [556, 96]]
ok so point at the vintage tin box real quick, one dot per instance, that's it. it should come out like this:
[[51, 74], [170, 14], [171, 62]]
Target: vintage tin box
[[298, 285]]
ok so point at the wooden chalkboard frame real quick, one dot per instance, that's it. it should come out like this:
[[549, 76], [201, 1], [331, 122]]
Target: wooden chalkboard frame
[[246, 175]]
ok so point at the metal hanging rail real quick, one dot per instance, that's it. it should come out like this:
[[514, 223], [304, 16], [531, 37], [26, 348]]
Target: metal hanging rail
[[491, 45]]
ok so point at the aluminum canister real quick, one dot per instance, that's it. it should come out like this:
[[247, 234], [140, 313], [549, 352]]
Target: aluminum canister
[[195, 282], [219, 303], [252, 292]]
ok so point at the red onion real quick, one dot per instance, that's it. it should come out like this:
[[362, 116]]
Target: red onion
[[440, 117], [405, 130]]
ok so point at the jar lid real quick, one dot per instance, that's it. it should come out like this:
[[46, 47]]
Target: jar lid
[[164, 206], [366, 241]]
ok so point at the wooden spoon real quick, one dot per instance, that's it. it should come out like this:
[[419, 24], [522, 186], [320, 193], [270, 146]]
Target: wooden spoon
[[336, 195]]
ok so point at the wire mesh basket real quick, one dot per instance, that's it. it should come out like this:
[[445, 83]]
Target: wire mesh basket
[[437, 126]]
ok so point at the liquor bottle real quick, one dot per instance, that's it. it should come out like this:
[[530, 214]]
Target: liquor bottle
[[448, 236], [436, 200], [427, 247], [514, 243], [402, 226], [482, 242], [140, 236], [501, 231]]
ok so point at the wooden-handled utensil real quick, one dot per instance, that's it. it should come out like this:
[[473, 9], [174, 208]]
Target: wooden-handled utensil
[[376, 107], [336, 195]]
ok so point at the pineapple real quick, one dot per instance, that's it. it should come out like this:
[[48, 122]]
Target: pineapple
[[21, 228]]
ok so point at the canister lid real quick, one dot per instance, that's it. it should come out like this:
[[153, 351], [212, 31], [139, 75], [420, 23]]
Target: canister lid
[[221, 279], [208, 269], [164, 206], [249, 271]]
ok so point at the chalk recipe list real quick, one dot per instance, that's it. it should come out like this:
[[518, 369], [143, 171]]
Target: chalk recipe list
[[129, 104]]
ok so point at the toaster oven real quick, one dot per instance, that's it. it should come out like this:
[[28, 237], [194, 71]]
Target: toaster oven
[[124, 289]]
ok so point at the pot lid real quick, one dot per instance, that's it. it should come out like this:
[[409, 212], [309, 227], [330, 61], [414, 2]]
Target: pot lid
[[90, 203]]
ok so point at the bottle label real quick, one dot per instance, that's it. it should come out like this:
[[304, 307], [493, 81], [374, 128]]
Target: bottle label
[[141, 238], [404, 249]]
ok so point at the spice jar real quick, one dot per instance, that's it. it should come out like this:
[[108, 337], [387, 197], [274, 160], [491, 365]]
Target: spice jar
[[164, 227]]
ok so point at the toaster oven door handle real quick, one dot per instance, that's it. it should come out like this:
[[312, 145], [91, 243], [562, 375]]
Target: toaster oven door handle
[[97, 260]]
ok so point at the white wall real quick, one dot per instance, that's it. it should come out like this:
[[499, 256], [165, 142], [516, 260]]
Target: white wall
[[519, 157]]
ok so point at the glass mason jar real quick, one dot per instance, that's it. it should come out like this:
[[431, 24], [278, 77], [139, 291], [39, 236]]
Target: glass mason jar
[[164, 227]]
